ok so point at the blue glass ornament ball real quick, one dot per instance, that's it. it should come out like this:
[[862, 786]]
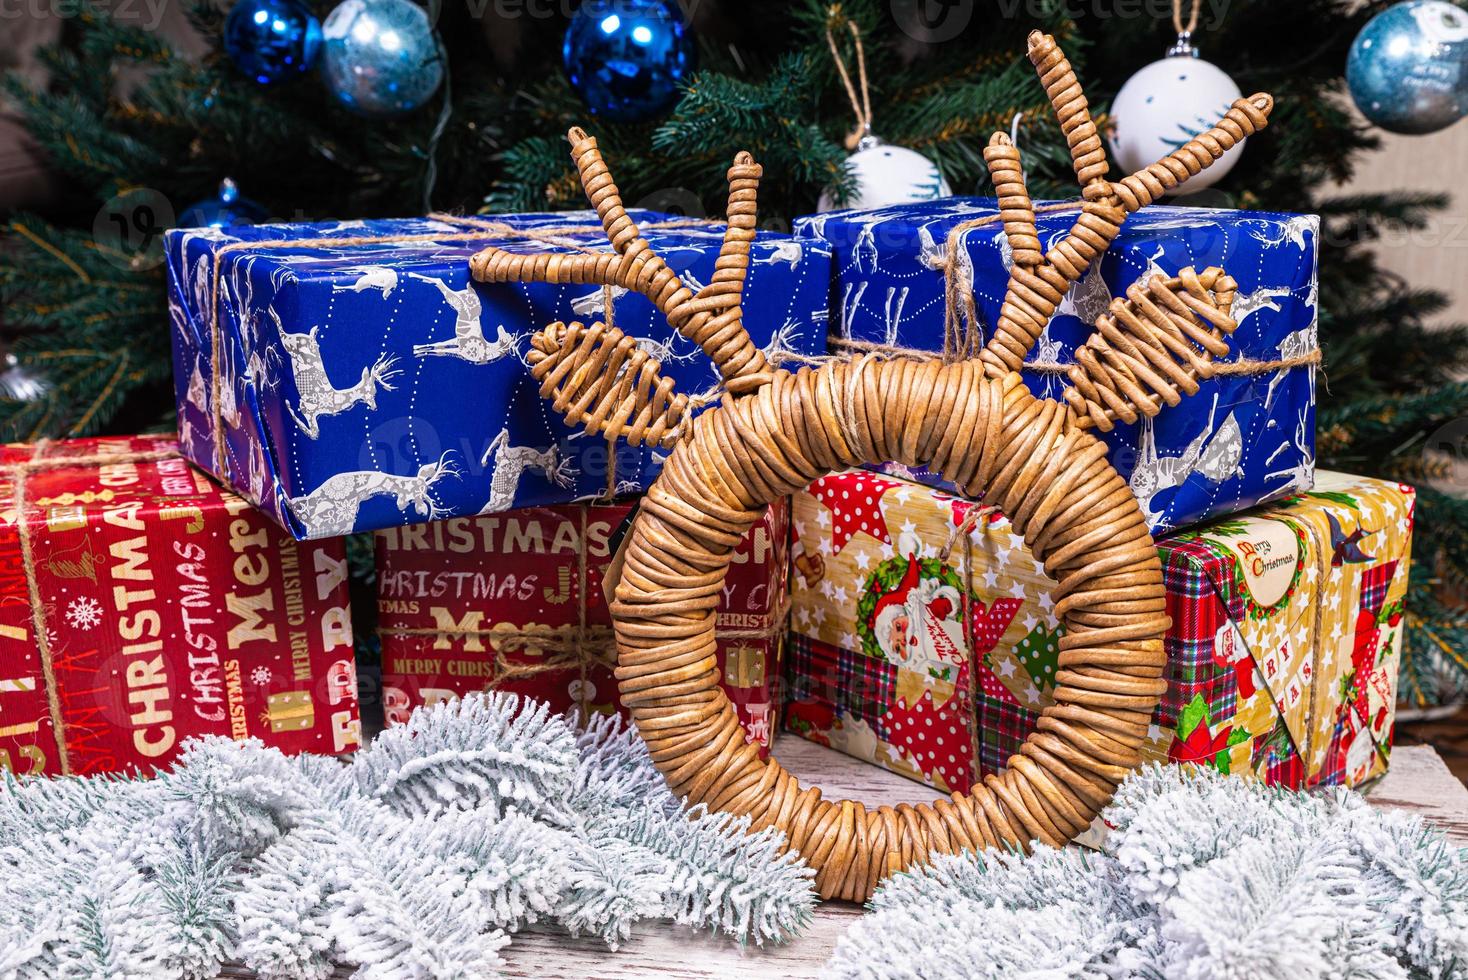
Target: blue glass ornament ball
[[271, 40], [1408, 68], [381, 57], [228, 208], [625, 58]]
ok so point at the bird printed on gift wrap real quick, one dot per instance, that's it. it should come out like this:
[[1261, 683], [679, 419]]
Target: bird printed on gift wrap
[[468, 342], [376, 277], [1346, 548]]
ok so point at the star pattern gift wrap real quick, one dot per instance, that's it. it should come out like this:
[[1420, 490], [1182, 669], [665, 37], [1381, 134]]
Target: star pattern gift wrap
[[141, 605], [514, 602], [350, 376], [1246, 437], [925, 637]]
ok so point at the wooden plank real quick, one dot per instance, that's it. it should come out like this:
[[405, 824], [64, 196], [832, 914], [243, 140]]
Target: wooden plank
[[1417, 781]]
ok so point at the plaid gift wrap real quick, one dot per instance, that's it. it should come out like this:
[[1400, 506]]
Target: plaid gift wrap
[[1282, 655], [515, 602]]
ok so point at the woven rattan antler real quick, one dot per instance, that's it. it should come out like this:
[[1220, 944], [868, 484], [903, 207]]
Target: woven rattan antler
[[972, 420]]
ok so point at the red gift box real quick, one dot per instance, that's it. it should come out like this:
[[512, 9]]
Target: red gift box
[[514, 602], [141, 605]]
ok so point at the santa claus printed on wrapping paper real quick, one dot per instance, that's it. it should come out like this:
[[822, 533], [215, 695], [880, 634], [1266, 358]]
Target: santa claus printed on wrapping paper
[[912, 614], [918, 624]]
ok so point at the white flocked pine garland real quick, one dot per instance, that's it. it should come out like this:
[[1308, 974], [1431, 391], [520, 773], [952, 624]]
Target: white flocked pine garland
[[419, 858], [1202, 877], [423, 855]]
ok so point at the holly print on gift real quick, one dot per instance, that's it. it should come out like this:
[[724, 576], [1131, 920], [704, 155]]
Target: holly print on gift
[[1197, 742]]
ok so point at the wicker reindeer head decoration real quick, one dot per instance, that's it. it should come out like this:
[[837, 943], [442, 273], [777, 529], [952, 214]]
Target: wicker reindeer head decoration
[[974, 421]]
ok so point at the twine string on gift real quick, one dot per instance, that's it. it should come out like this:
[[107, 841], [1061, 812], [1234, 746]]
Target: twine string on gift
[[19, 472], [963, 532]]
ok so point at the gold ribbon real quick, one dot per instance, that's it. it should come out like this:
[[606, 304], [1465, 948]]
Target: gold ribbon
[[19, 472]]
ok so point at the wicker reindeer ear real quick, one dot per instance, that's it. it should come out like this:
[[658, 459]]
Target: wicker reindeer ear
[[1119, 374], [601, 378]]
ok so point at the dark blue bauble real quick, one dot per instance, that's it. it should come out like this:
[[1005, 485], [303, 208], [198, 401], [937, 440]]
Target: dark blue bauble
[[270, 40], [1408, 68], [229, 208], [625, 58], [382, 57]]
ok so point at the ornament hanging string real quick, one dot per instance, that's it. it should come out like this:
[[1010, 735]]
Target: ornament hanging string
[[1177, 17], [861, 107]]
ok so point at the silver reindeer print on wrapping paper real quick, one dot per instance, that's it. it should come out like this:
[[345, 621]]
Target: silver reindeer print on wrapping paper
[[468, 341], [511, 462], [1214, 456], [378, 278], [315, 395], [1191, 467], [331, 509]]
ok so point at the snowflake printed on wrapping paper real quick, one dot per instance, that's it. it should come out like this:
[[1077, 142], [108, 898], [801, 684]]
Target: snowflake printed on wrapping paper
[[83, 613], [261, 676]]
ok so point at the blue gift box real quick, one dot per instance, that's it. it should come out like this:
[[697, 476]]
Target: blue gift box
[[1241, 440], [359, 379]]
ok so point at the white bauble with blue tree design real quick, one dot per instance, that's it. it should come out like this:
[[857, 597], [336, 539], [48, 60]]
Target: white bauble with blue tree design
[[1166, 104], [887, 175]]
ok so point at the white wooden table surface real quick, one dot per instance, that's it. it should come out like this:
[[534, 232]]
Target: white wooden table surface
[[1417, 780]]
